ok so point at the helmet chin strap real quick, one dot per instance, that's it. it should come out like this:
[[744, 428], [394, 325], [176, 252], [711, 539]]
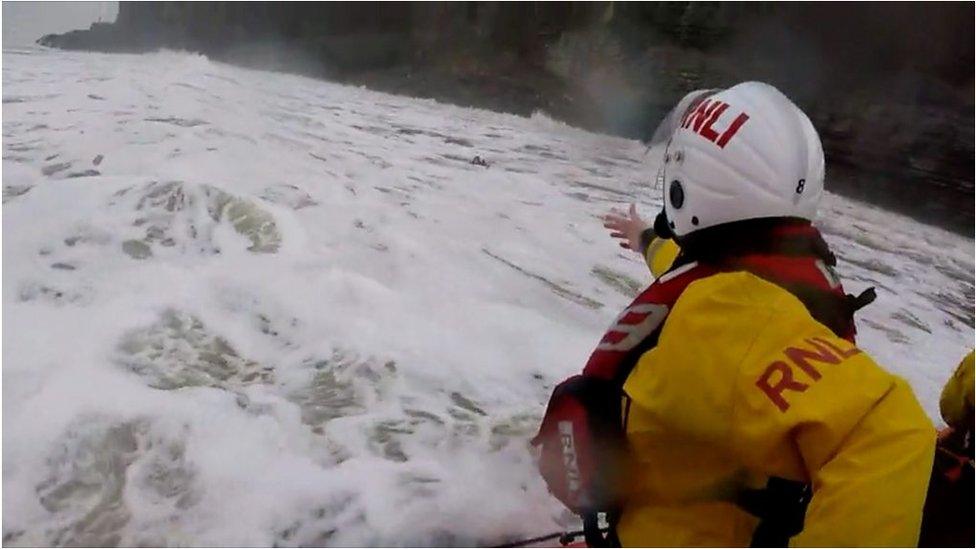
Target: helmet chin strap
[[661, 226]]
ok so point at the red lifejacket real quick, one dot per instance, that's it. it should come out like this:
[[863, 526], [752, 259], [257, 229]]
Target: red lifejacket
[[792, 256]]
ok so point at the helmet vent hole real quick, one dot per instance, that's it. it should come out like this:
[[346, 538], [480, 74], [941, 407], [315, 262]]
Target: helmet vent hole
[[676, 194], [694, 220]]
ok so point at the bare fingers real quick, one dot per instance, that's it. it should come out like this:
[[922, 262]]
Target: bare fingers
[[611, 219]]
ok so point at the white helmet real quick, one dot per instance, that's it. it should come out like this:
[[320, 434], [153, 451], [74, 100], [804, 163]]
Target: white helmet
[[742, 153]]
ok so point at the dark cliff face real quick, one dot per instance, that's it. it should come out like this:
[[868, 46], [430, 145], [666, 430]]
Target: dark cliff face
[[889, 86]]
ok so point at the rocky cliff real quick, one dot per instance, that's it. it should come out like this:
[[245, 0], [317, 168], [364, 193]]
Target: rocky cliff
[[889, 86]]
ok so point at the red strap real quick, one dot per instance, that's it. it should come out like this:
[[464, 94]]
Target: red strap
[[628, 336], [639, 320]]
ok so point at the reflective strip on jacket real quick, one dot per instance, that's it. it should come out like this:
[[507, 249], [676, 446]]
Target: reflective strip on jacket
[[744, 385]]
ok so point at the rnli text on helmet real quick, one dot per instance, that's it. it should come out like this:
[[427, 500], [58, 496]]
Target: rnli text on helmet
[[701, 119]]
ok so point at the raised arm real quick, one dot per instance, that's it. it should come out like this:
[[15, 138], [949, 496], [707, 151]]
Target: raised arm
[[637, 235]]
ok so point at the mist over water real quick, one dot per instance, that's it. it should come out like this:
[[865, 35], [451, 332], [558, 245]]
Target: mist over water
[[889, 86], [25, 22]]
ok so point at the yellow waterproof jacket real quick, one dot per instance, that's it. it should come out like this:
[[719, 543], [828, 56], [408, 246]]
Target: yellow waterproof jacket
[[956, 403], [744, 385]]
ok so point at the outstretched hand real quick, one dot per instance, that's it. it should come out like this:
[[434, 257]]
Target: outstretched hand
[[626, 226]]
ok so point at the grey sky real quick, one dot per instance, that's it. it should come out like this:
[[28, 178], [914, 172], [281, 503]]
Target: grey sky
[[25, 22]]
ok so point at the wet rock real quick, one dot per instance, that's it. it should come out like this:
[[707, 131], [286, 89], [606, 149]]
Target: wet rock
[[101, 37]]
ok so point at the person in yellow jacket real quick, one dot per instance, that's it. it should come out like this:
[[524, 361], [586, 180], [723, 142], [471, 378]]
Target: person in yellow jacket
[[956, 402], [750, 381], [948, 517]]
